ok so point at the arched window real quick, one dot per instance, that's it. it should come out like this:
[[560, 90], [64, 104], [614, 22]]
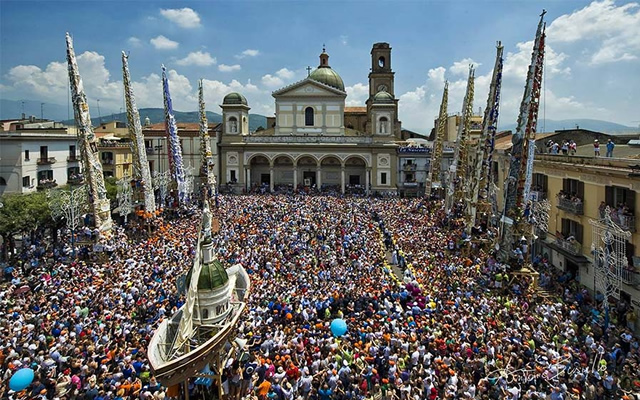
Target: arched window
[[381, 62], [205, 313], [308, 116], [233, 125], [3, 182], [382, 125]]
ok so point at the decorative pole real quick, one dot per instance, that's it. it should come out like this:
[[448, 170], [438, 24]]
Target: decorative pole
[[480, 170], [206, 157], [175, 150], [435, 169], [458, 172], [124, 196], [141, 171], [88, 147]]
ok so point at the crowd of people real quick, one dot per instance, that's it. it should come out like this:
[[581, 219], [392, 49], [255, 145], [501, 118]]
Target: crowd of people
[[430, 312]]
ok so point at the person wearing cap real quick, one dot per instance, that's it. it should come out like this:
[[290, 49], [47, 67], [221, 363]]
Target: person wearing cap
[[596, 148]]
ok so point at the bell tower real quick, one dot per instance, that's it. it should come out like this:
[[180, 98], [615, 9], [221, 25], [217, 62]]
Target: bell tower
[[381, 75]]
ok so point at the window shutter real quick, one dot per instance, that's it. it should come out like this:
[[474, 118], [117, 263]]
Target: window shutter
[[579, 233], [631, 200], [608, 196], [580, 190]]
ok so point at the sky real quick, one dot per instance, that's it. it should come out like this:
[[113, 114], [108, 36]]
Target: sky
[[592, 62]]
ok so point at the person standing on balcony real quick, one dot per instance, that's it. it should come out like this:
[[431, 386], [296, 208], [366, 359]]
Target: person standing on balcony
[[610, 146], [596, 148]]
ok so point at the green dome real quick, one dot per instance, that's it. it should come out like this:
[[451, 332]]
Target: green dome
[[212, 276], [383, 97], [234, 98], [327, 76]]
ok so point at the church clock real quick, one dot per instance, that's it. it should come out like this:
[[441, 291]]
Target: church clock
[[382, 88]]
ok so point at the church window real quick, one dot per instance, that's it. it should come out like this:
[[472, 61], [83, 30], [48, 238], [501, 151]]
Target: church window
[[383, 178], [233, 125], [308, 116], [383, 122], [381, 62], [205, 314]]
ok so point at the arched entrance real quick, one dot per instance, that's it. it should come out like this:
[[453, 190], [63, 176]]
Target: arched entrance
[[307, 170], [283, 172], [331, 168], [355, 175], [258, 174]]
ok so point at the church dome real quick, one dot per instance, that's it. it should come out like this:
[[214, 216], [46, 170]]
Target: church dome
[[324, 73], [234, 98], [212, 276], [383, 97], [328, 76]]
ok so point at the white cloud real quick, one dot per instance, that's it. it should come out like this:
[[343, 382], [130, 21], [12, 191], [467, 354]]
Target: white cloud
[[162, 43], [610, 33], [344, 39], [248, 53], [229, 68], [285, 73], [198, 58], [134, 42], [357, 94], [462, 67], [183, 17], [272, 81]]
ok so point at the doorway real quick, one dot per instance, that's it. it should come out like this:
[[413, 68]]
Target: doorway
[[309, 178], [265, 179]]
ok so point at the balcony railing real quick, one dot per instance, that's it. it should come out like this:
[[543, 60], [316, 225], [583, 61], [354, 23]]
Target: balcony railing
[[107, 162], [572, 247], [572, 206], [409, 167], [630, 277], [73, 158], [46, 160], [46, 185], [149, 150], [626, 222], [410, 184], [77, 180]]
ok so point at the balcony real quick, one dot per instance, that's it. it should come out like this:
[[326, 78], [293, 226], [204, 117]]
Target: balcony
[[73, 158], [75, 180], [574, 206], [107, 162], [571, 247], [46, 160], [46, 184], [409, 167], [149, 150], [630, 277], [410, 184]]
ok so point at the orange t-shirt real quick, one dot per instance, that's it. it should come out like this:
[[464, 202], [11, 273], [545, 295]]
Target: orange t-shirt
[[264, 387]]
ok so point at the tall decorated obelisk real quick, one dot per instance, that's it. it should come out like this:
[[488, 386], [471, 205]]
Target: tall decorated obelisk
[[91, 166]]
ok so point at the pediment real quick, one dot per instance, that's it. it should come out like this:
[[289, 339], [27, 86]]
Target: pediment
[[308, 87]]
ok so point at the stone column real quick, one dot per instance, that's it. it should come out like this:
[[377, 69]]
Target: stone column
[[295, 176], [247, 178], [342, 175], [367, 179], [319, 177], [271, 178]]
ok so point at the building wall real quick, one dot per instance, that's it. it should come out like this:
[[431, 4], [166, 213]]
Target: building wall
[[14, 166]]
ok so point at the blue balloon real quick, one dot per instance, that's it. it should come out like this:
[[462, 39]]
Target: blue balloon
[[21, 379], [338, 327]]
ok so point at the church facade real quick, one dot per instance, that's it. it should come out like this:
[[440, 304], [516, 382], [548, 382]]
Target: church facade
[[314, 140]]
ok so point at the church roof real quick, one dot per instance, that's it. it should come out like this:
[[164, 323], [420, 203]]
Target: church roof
[[327, 76], [355, 109], [383, 97], [234, 98], [308, 80], [212, 276]]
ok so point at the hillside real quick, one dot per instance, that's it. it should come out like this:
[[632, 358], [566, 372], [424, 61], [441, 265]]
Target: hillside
[[590, 124], [13, 109]]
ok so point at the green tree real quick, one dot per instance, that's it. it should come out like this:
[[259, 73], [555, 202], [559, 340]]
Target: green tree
[[111, 184], [23, 214]]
